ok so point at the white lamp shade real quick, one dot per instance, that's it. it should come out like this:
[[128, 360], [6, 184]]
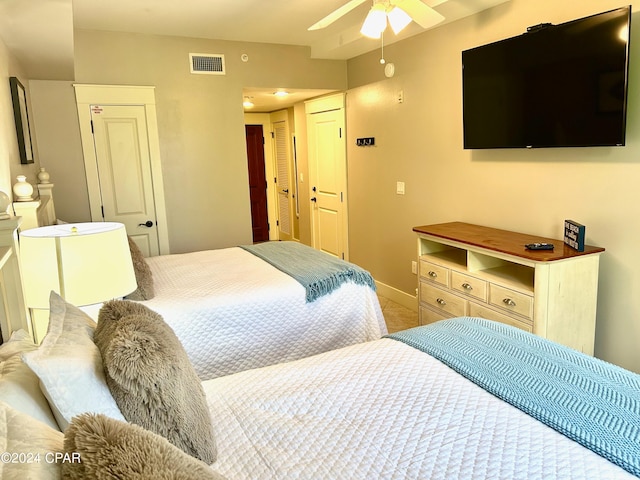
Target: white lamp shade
[[86, 263]]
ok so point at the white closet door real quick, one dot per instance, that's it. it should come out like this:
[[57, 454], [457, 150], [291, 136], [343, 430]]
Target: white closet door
[[328, 176], [122, 152]]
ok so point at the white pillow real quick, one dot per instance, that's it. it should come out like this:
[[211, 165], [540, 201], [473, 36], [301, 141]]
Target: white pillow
[[69, 365], [19, 386], [27, 447]]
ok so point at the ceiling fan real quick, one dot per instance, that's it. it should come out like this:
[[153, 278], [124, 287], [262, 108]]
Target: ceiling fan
[[399, 13]]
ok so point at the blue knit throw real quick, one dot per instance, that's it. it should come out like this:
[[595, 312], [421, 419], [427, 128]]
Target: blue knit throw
[[594, 403], [318, 272]]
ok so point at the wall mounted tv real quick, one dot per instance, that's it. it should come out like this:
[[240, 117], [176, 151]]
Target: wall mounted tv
[[554, 86]]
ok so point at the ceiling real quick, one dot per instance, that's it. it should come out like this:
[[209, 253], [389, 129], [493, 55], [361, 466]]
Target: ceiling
[[40, 32], [265, 100]]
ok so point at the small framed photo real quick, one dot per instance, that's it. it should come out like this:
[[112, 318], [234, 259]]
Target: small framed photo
[[21, 115], [574, 234]]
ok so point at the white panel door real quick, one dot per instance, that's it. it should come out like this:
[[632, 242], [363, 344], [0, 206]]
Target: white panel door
[[328, 176], [124, 170]]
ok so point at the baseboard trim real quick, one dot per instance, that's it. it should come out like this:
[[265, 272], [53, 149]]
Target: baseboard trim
[[398, 296]]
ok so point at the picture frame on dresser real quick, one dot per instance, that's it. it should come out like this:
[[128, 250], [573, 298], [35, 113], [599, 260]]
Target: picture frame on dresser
[[21, 116]]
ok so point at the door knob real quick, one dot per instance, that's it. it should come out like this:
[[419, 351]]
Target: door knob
[[313, 199], [147, 224], [285, 190]]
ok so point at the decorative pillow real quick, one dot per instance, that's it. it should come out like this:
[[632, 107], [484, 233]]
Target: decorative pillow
[[112, 449], [151, 378], [19, 386], [25, 440], [69, 365], [144, 278]]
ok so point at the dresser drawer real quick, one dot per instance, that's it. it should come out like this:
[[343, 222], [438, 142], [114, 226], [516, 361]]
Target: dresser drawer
[[481, 311], [434, 273], [443, 300], [511, 300], [474, 287]]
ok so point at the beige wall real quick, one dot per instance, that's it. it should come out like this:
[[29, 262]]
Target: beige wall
[[200, 119], [420, 142], [56, 118], [10, 165]]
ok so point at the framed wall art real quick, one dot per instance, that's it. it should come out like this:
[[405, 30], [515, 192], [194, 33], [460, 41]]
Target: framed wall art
[[21, 114]]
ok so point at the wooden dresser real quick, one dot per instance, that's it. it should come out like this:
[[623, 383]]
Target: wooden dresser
[[472, 270]]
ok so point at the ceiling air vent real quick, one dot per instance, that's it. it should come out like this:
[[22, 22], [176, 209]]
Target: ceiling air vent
[[207, 63]]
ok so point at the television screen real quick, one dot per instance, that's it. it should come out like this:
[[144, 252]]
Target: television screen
[[554, 86]]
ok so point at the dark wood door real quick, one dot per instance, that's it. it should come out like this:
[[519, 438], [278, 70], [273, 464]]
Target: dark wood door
[[257, 183]]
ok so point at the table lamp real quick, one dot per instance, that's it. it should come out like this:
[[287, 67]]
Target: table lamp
[[86, 263]]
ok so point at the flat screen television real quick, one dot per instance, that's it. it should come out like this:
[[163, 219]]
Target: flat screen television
[[554, 86]]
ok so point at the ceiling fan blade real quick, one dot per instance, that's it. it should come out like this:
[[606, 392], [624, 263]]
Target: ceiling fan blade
[[422, 14], [336, 14]]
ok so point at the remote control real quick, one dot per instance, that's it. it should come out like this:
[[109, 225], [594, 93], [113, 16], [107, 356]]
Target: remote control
[[539, 246]]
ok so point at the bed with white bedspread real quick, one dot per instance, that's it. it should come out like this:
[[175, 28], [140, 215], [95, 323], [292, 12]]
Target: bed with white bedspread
[[234, 311], [463, 398], [387, 410]]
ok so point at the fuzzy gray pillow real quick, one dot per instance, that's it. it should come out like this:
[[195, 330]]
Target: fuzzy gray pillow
[[144, 278], [151, 378], [109, 448]]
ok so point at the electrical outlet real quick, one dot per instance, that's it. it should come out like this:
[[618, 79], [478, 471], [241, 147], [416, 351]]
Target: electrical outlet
[[414, 267]]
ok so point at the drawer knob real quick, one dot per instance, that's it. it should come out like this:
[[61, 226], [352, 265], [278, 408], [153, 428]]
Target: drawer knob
[[432, 274], [440, 301], [467, 286], [509, 302]]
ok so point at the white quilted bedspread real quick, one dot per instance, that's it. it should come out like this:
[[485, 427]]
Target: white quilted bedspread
[[382, 410], [233, 311]]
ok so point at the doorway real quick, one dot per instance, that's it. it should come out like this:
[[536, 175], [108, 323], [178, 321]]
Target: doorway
[[328, 174], [284, 186], [257, 182], [122, 161]]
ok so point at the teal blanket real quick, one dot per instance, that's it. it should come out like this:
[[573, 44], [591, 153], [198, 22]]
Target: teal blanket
[[594, 403], [318, 272]]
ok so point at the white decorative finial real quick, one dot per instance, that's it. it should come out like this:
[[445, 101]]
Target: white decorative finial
[[43, 176], [5, 201]]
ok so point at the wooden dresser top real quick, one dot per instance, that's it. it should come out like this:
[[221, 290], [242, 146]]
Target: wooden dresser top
[[504, 241]]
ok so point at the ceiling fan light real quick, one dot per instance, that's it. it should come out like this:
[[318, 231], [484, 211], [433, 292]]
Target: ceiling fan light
[[398, 19], [375, 23]]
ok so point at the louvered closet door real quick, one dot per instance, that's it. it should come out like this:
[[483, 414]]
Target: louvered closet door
[[283, 180]]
